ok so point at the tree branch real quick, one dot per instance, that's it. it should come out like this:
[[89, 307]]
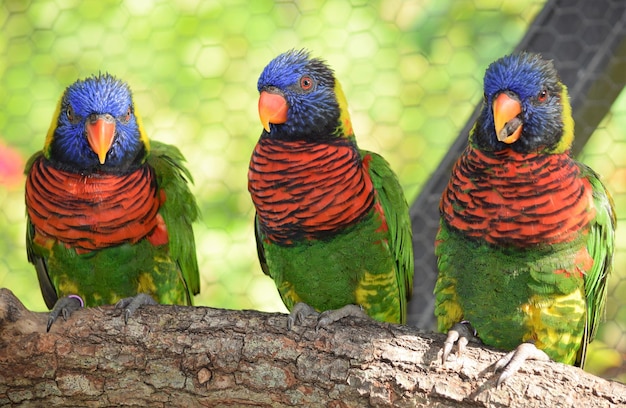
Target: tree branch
[[196, 356]]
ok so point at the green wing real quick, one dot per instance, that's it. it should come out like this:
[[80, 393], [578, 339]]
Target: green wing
[[396, 211], [179, 211], [600, 245]]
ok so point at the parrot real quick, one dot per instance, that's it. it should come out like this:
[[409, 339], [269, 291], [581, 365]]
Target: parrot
[[332, 225], [109, 212], [526, 233]]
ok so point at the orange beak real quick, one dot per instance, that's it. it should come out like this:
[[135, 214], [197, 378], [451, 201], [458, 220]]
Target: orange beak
[[505, 117], [272, 109], [100, 133]]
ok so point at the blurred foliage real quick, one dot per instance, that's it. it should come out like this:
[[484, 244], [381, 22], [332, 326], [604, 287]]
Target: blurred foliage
[[412, 72]]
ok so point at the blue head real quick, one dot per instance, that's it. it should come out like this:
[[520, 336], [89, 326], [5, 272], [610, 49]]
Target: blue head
[[301, 100], [96, 128], [526, 107]]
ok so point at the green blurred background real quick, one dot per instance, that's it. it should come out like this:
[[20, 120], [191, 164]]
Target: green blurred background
[[412, 72]]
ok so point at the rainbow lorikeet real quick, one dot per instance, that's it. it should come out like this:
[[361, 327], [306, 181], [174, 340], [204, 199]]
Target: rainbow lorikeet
[[526, 236], [109, 213], [332, 224]]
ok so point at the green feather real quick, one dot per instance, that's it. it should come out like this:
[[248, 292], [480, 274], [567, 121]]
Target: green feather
[[492, 299], [601, 245], [179, 210], [395, 207]]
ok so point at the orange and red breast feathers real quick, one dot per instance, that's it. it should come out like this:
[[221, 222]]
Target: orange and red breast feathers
[[90, 212], [540, 200], [304, 190]]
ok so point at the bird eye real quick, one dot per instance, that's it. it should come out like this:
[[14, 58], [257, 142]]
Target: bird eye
[[69, 113], [126, 117], [543, 95], [306, 83]]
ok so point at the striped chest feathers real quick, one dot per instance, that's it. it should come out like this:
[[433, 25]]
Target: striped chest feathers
[[307, 190], [95, 211], [515, 199]]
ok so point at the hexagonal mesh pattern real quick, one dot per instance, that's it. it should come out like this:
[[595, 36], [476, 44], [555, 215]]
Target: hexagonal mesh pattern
[[412, 72]]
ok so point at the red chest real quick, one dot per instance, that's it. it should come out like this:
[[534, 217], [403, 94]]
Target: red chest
[[514, 199], [94, 211], [305, 189]]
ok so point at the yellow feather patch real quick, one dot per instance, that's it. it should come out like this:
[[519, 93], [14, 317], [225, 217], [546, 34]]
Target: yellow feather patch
[[568, 123], [52, 129], [542, 311], [374, 287], [289, 295], [453, 313], [146, 283], [67, 288], [344, 115]]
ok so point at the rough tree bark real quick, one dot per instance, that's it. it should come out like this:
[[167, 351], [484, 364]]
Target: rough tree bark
[[173, 356]]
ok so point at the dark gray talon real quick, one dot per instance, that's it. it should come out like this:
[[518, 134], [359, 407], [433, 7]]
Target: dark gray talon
[[64, 307], [131, 304], [331, 316], [298, 313]]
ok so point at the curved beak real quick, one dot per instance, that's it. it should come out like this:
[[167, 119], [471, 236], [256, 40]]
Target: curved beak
[[100, 133], [506, 110], [272, 109]]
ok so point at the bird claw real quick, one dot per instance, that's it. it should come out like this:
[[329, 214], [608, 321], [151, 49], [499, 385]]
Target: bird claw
[[64, 307], [298, 313], [330, 316], [461, 334], [131, 304], [512, 361], [302, 310]]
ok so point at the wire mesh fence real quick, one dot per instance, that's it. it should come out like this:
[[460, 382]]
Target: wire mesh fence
[[412, 72]]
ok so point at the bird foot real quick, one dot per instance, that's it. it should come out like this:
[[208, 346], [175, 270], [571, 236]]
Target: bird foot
[[330, 316], [131, 304], [512, 361], [301, 310], [64, 307], [461, 334]]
